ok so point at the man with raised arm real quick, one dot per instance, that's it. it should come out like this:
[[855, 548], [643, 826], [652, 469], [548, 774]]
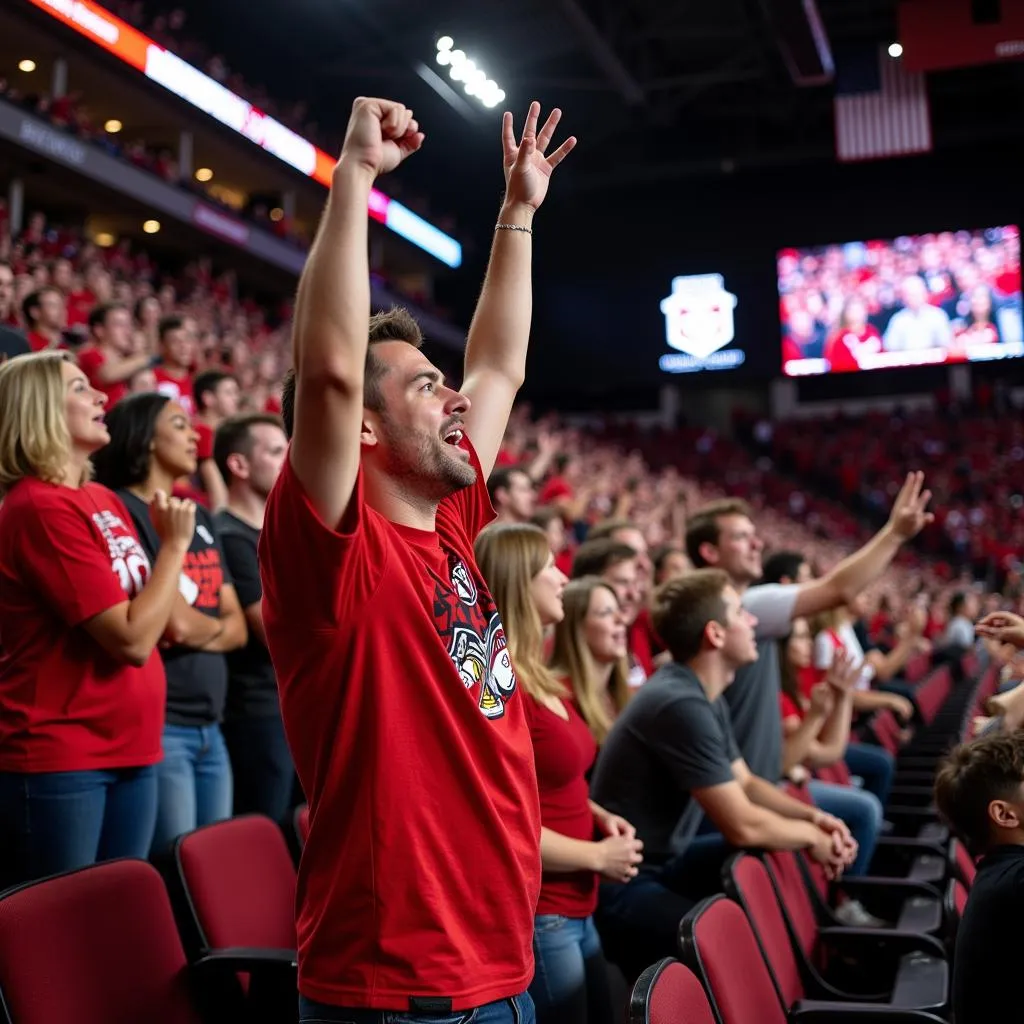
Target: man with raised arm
[[419, 879]]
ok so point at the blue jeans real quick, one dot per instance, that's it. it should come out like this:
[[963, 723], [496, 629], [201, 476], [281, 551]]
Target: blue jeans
[[261, 765], [570, 982], [874, 766], [193, 780], [57, 821], [517, 1010], [859, 809]]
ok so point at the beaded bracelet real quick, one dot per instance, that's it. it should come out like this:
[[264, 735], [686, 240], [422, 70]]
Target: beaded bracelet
[[513, 227]]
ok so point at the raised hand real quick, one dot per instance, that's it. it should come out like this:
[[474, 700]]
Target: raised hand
[[909, 516], [527, 166], [822, 700], [843, 672], [380, 134], [1003, 627], [174, 519]]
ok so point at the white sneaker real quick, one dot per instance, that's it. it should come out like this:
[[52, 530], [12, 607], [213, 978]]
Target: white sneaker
[[853, 914]]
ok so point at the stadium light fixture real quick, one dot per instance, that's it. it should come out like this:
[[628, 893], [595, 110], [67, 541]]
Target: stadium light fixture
[[462, 69], [895, 50], [26, 65], [104, 239], [113, 126], [151, 227], [204, 174]]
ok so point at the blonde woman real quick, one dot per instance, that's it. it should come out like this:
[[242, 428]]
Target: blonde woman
[[570, 985], [591, 652], [83, 608]]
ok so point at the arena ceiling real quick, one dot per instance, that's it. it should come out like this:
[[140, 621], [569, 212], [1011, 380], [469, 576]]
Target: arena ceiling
[[657, 90]]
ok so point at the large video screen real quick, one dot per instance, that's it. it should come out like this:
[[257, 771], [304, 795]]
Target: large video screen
[[953, 296]]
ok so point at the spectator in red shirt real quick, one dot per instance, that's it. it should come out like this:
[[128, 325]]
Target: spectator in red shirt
[[83, 607], [550, 520], [382, 631], [152, 447], [590, 651], [570, 984], [216, 398], [107, 358], [45, 318], [853, 338], [177, 354]]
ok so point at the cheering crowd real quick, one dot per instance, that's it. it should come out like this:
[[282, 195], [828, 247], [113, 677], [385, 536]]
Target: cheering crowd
[[533, 687]]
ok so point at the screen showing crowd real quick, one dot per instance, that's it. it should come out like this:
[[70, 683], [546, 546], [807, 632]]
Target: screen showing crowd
[[948, 297]]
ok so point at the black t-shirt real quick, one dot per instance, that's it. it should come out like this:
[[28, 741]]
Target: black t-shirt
[[12, 343], [252, 685], [669, 740], [197, 681], [988, 948]]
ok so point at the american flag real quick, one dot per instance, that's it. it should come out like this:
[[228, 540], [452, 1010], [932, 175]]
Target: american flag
[[881, 110]]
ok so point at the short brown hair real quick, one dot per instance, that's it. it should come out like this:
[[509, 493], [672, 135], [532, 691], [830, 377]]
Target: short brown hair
[[607, 528], [682, 608], [397, 324], [971, 777], [234, 436], [596, 557], [704, 527]]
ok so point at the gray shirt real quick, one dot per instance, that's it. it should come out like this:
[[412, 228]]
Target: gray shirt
[[669, 741], [753, 697]]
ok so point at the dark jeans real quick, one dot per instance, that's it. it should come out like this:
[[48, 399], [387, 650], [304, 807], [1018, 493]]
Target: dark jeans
[[261, 764], [57, 821], [570, 983], [874, 766], [517, 1010], [639, 921]]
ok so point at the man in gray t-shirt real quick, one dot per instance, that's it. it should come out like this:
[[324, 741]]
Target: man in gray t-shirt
[[723, 535]]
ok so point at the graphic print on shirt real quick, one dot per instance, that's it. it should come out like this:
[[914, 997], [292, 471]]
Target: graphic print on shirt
[[471, 629], [127, 559]]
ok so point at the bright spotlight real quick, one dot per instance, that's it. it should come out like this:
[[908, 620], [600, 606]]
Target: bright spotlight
[[204, 174], [445, 43], [26, 65], [443, 57], [456, 73], [458, 57], [151, 227], [113, 126], [895, 50], [461, 69]]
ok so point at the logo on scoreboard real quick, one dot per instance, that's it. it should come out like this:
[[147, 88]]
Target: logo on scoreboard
[[699, 324]]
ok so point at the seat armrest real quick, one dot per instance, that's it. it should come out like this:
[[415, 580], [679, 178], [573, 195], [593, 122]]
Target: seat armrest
[[909, 843], [250, 960], [903, 887], [905, 942], [813, 1012]]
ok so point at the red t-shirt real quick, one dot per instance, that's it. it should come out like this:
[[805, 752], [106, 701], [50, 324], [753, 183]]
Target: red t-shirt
[[421, 872], [40, 343], [563, 752], [643, 641], [91, 359], [204, 448], [177, 389], [556, 487], [790, 708], [65, 704]]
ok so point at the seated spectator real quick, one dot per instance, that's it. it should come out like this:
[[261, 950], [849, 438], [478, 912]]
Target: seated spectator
[[671, 758], [177, 355], [250, 451], [216, 399], [512, 494], [12, 340], [670, 563], [617, 564], [590, 653], [108, 357], [153, 446], [571, 979], [979, 791], [82, 607], [45, 316], [549, 519], [958, 638]]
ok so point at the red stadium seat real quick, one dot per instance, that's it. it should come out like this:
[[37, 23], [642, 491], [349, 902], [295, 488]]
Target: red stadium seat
[[669, 993], [915, 967], [94, 946]]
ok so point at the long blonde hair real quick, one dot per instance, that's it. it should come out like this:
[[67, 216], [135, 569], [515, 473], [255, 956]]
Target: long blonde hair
[[572, 657], [509, 556], [34, 438]]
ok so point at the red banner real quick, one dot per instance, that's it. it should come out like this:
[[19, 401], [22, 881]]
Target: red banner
[[940, 34]]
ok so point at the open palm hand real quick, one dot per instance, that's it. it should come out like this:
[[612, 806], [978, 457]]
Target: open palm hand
[[527, 165]]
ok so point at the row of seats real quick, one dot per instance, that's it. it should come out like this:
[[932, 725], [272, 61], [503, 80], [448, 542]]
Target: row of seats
[[775, 927]]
